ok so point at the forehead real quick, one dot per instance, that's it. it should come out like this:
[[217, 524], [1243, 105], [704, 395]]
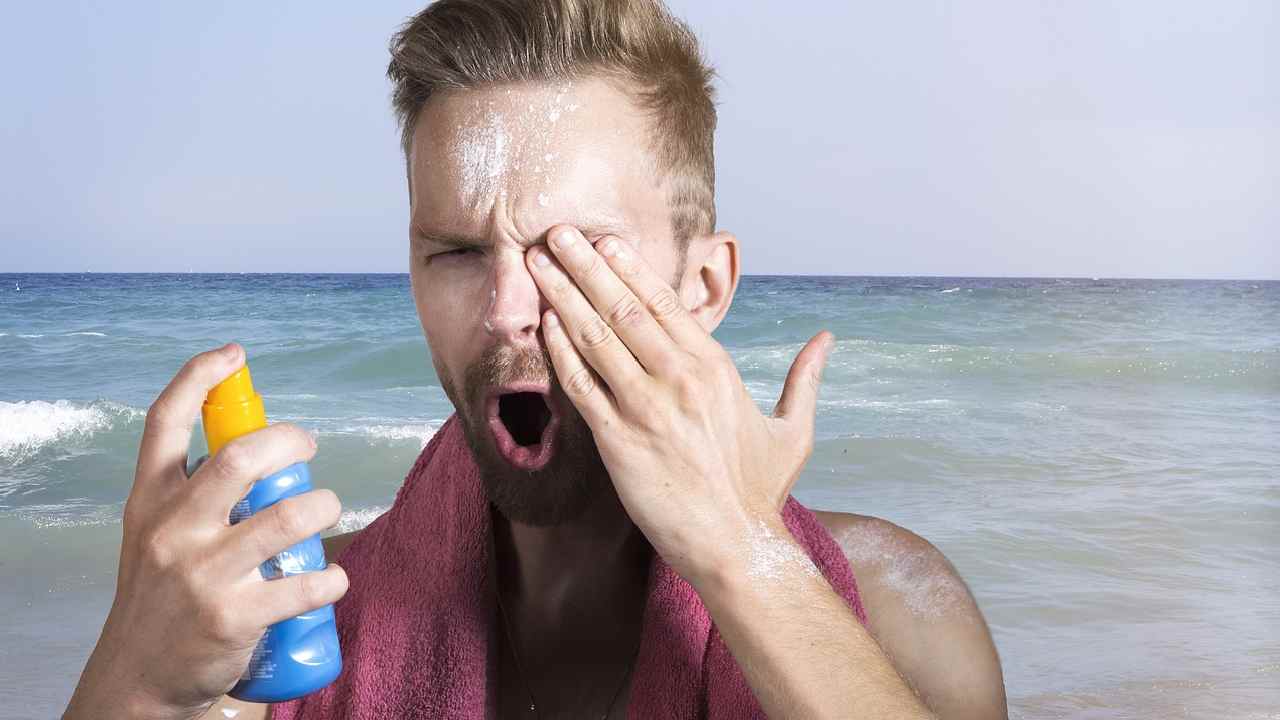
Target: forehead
[[531, 155]]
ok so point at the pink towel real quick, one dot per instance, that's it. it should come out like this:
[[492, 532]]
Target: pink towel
[[420, 616]]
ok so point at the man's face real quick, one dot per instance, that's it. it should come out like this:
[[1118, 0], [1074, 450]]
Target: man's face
[[499, 166]]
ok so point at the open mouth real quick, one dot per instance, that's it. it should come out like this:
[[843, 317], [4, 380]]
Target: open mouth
[[523, 422]]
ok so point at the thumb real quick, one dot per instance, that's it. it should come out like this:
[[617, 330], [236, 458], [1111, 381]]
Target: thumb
[[800, 391]]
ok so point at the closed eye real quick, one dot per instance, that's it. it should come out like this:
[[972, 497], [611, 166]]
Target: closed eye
[[459, 252]]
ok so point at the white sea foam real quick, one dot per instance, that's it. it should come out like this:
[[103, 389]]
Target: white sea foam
[[94, 334], [70, 514], [352, 520], [951, 290], [395, 433], [28, 425]]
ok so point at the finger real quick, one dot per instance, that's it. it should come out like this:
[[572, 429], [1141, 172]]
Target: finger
[[594, 401], [598, 343], [611, 298], [799, 399], [277, 528], [221, 481], [270, 601], [166, 436], [658, 298]]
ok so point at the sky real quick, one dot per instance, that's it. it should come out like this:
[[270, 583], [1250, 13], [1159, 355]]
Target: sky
[[1081, 139]]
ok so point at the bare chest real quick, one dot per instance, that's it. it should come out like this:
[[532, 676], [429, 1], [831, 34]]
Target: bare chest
[[565, 686]]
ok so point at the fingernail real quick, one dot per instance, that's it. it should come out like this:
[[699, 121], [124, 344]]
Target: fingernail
[[553, 320], [565, 238], [610, 247], [228, 350], [540, 257]]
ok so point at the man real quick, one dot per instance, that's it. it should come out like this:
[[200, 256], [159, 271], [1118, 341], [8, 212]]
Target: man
[[567, 273]]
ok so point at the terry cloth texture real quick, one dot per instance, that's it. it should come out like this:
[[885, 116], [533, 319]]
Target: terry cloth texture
[[419, 620]]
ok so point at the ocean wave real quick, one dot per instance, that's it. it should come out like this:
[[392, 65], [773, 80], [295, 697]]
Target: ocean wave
[[897, 406], [73, 514], [862, 359], [70, 515], [27, 426], [421, 433], [86, 332]]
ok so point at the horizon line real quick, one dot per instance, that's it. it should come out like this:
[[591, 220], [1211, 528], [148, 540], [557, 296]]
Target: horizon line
[[802, 275]]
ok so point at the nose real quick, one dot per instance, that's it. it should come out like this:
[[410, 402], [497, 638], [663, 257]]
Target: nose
[[515, 303]]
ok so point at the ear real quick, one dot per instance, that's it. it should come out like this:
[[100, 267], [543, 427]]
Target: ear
[[710, 277]]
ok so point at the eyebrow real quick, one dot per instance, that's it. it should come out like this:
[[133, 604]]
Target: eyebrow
[[455, 240]]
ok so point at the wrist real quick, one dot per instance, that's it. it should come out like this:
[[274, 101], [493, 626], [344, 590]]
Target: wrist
[[754, 549]]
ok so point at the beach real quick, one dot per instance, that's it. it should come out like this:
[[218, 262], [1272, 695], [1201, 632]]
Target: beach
[[1098, 458]]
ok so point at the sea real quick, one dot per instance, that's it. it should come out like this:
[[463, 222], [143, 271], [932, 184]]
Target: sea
[[1098, 458]]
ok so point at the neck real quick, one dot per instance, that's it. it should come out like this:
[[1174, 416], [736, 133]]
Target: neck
[[597, 558]]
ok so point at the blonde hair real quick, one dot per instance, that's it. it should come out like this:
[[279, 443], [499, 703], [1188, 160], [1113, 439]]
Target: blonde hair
[[472, 43]]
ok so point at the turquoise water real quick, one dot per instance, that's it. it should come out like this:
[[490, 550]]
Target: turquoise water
[[1099, 458]]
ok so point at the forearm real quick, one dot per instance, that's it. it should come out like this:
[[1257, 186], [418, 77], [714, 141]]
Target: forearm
[[800, 647]]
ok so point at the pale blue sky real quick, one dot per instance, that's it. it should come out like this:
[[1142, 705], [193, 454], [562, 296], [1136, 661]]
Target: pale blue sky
[[978, 138]]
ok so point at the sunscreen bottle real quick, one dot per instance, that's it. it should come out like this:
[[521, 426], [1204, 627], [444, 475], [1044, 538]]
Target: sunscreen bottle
[[298, 655]]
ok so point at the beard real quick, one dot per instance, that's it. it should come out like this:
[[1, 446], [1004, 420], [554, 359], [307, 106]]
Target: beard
[[573, 479]]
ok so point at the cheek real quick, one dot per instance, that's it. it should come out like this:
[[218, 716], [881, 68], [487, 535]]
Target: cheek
[[450, 303]]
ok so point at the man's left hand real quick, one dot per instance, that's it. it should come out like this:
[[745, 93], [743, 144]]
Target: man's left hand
[[695, 463]]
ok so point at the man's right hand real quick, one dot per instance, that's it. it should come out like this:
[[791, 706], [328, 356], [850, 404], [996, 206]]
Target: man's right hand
[[190, 603]]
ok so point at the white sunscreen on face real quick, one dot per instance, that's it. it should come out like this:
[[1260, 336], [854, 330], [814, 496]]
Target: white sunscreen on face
[[507, 147], [483, 152]]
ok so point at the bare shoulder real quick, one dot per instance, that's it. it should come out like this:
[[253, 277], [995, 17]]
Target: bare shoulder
[[923, 615], [240, 710]]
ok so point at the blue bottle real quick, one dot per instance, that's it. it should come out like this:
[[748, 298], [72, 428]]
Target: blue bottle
[[299, 655]]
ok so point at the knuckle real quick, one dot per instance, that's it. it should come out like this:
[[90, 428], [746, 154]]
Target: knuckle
[[157, 551], [311, 589], [330, 504], [581, 383], [653, 416], [296, 435], [234, 461], [815, 380], [664, 303], [157, 416], [221, 621], [625, 312], [628, 269], [289, 519], [591, 267], [688, 388], [594, 333]]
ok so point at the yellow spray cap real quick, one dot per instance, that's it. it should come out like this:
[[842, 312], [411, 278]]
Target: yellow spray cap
[[232, 409]]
